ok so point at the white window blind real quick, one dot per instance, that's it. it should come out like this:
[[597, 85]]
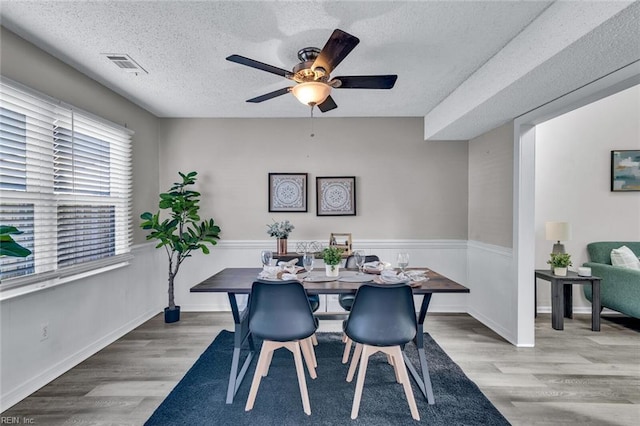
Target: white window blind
[[65, 181]]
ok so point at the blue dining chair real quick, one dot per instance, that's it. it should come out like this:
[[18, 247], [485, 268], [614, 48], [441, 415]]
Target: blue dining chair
[[382, 319], [314, 299], [346, 300], [280, 314]]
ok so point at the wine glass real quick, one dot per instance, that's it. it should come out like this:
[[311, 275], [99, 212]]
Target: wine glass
[[266, 256], [403, 261], [360, 258], [307, 262]]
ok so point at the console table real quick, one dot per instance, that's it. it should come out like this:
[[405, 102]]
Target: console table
[[562, 296]]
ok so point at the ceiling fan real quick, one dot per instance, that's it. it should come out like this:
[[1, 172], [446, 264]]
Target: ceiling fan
[[312, 74]]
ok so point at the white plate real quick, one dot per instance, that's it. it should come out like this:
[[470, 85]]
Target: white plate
[[379, 280], [320, 279], [417, 272], [365, 278], [399, 281], [272, 279]]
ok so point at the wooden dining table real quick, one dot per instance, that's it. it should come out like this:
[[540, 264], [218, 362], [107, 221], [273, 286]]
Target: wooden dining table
[[238, 281]]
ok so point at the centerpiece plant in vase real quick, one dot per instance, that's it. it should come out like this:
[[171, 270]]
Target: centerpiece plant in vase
[[332, 257], [281, 231], [560, 262], [181, 233]]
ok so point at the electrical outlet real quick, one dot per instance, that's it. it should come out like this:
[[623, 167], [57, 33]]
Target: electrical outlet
[[44, 332]]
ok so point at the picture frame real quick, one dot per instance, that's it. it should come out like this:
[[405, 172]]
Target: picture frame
[[335, 196], [625, 170], [343, 241], [288, 192]]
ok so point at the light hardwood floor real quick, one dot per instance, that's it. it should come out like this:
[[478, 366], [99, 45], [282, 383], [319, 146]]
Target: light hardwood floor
[[571, 377]]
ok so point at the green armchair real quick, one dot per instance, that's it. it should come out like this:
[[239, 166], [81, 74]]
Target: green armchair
[[620, 287]]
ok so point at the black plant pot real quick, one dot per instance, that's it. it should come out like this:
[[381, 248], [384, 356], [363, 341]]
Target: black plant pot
[[172, 315]]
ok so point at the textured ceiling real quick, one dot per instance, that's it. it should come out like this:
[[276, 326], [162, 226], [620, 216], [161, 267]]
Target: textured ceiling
[[465, 66]]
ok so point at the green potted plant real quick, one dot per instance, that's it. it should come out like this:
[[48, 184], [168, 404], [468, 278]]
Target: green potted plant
[[560, 262], [8, 246], [180, 234], [332, 257]]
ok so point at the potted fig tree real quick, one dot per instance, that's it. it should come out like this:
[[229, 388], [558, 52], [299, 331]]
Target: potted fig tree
[[181, 233]]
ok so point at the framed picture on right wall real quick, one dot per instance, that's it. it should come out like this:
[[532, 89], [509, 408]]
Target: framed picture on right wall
[[336, 196], [625, 170]]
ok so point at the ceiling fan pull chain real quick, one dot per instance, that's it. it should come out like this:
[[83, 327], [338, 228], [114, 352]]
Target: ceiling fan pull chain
[[311, 118]]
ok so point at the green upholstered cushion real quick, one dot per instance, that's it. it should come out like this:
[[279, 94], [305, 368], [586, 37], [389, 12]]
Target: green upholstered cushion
[[600, 252]]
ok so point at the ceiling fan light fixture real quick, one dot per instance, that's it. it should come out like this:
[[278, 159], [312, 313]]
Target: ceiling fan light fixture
[[312, 92]]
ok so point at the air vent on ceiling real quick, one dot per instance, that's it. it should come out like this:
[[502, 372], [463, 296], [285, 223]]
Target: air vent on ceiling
[[125, 62]]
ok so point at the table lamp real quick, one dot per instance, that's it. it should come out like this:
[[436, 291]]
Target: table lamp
[[557, 231]]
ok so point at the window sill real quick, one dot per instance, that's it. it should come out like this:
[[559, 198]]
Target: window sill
[[23, 290]]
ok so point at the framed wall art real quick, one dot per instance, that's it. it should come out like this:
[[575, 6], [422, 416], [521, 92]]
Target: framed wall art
[[336, 196], [625, 170], [288, 192]]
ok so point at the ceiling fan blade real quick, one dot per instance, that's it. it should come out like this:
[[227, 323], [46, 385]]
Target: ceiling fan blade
[[270, 95], [259, 65], [367, 81], [327, 105], [339, 45]]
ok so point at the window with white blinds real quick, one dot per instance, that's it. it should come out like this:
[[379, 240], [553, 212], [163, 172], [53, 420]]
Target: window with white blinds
[[65, 182]]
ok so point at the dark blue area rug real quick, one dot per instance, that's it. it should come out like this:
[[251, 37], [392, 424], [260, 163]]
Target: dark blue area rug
[[199, 398]]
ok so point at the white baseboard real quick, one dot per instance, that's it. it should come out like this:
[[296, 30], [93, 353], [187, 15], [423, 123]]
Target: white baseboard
[[15, 395]]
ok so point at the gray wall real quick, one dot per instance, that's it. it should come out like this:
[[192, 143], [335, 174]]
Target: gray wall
[[489, 249], [406, 188], [491, 187]]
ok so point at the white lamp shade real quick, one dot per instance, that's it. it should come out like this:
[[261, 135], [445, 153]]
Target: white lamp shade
[[312, 92], [557, 231]]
